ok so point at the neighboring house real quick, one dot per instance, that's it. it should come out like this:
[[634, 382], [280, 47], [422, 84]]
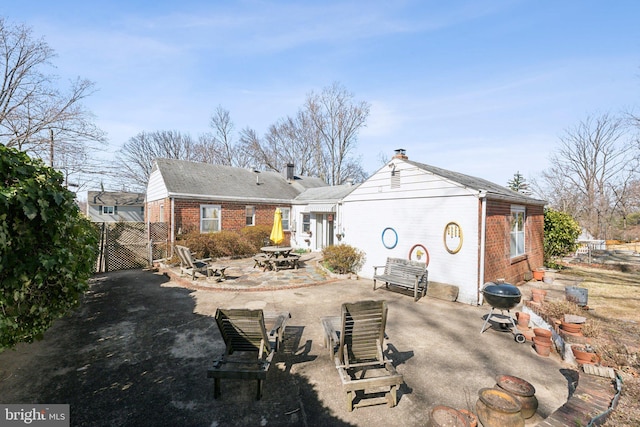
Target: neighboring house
[[314, 216], [204, 197], [115, 206], [473, 230]]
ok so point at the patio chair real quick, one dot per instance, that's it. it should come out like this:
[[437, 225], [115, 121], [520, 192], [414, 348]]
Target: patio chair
[[249, 352], [190, 265], [365, 372]]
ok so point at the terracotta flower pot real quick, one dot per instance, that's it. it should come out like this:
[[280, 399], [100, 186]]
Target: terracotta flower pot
[[523, 319], [538, 295], [445, 416], [470, 416], [542, 346], [538, 275], [542, 333], [583, 356], [572, 328]]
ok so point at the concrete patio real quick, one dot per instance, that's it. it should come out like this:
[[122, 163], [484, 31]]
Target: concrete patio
[[137, 350]]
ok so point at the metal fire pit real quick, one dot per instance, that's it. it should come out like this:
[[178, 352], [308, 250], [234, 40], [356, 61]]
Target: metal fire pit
[[502, 296]]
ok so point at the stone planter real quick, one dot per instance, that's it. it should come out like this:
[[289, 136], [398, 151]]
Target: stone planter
[[522, 390], [498, 408]]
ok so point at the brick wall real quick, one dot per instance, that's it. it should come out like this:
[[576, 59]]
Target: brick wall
[[187, 215], [498, 263]]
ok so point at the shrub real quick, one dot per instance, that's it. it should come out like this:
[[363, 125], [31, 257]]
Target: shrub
[[343, 258], [48, 249], [257, 235], [561, 233], [216, 245]]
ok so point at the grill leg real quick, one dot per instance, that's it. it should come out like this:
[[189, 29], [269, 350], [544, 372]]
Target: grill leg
[[486, 320]]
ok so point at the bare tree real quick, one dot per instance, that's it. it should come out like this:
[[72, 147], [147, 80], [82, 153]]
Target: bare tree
[[338, 120], [35, 116], [591, 171], [137, 155]]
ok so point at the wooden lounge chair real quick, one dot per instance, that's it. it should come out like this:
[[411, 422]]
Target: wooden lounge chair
[[190, 265], [248, 352], [363, 369]]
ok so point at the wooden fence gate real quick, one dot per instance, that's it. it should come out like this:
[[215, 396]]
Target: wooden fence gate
[[128, 245]]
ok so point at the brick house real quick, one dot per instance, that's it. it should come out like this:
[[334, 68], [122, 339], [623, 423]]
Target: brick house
[[191, 196], [469, 230]]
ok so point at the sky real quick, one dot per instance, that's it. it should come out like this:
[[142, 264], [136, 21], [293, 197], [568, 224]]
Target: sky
[[485, 88]]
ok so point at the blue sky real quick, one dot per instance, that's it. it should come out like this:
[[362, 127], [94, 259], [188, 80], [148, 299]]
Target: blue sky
[[480, 87]]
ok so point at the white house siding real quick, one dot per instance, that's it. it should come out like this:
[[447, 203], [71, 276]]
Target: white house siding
[[418, 211], [156, 188], [125, 213]]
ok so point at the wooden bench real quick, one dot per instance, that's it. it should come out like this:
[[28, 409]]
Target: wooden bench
[[403, 273]]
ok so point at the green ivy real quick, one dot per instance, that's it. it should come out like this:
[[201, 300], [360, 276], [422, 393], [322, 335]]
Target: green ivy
[[561, 233], [47, 248]]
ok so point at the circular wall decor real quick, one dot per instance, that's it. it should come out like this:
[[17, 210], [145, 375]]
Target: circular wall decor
[[389, 238], [419, 253], [453, 237]]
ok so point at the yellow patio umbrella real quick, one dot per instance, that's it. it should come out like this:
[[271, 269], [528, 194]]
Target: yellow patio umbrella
[[277, 235]]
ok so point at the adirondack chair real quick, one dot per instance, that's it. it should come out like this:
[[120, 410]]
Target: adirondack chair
[[248, 352], [360, 361], [190, 265]]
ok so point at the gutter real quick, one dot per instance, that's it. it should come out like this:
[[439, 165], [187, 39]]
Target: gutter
[[229, 198]]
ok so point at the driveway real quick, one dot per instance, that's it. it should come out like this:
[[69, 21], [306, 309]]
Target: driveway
[[137, 350]]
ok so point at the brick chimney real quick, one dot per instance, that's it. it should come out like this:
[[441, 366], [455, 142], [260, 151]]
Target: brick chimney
[[400, 154]]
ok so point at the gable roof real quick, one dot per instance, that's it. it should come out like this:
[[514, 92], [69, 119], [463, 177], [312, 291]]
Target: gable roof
[[115, 198], [193, 179], [493, 190]]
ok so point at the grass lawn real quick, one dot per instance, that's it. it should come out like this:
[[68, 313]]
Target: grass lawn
[[614, 297]]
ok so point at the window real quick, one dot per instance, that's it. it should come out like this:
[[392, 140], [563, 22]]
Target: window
[[286, 214], [209, 218], [517, 231], [306, 222], [109, 210], [250, 215]]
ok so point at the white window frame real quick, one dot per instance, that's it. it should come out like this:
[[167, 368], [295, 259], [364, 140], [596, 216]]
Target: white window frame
[[249, 215], [108, 210], [203, 219], [517, 232], [286, 218], [306, 225]]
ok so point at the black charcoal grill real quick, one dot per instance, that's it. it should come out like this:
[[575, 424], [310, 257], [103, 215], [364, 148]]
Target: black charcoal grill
[[503, 297]]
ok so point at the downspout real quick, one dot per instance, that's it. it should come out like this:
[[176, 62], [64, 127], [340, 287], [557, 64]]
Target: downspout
[[483, 240], [173, 225]]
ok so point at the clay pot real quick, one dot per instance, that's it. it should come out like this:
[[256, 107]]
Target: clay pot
[[523, 319], [445, 416], [583, 356], [572, 328], [538, 295], [538, 275], [542, 346], [498, 408], [471, 417], [542, 333], [522, 390]]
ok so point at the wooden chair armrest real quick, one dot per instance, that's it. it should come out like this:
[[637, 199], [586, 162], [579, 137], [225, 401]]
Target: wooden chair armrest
[[280, 322]]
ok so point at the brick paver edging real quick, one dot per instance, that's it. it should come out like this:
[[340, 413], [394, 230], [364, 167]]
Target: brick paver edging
[[590, 403]]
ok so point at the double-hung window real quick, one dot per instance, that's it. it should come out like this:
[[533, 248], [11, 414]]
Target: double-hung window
[[286, 215], [109, 210], [306, 222], [210, 218], [517, 243], [250, 215]]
